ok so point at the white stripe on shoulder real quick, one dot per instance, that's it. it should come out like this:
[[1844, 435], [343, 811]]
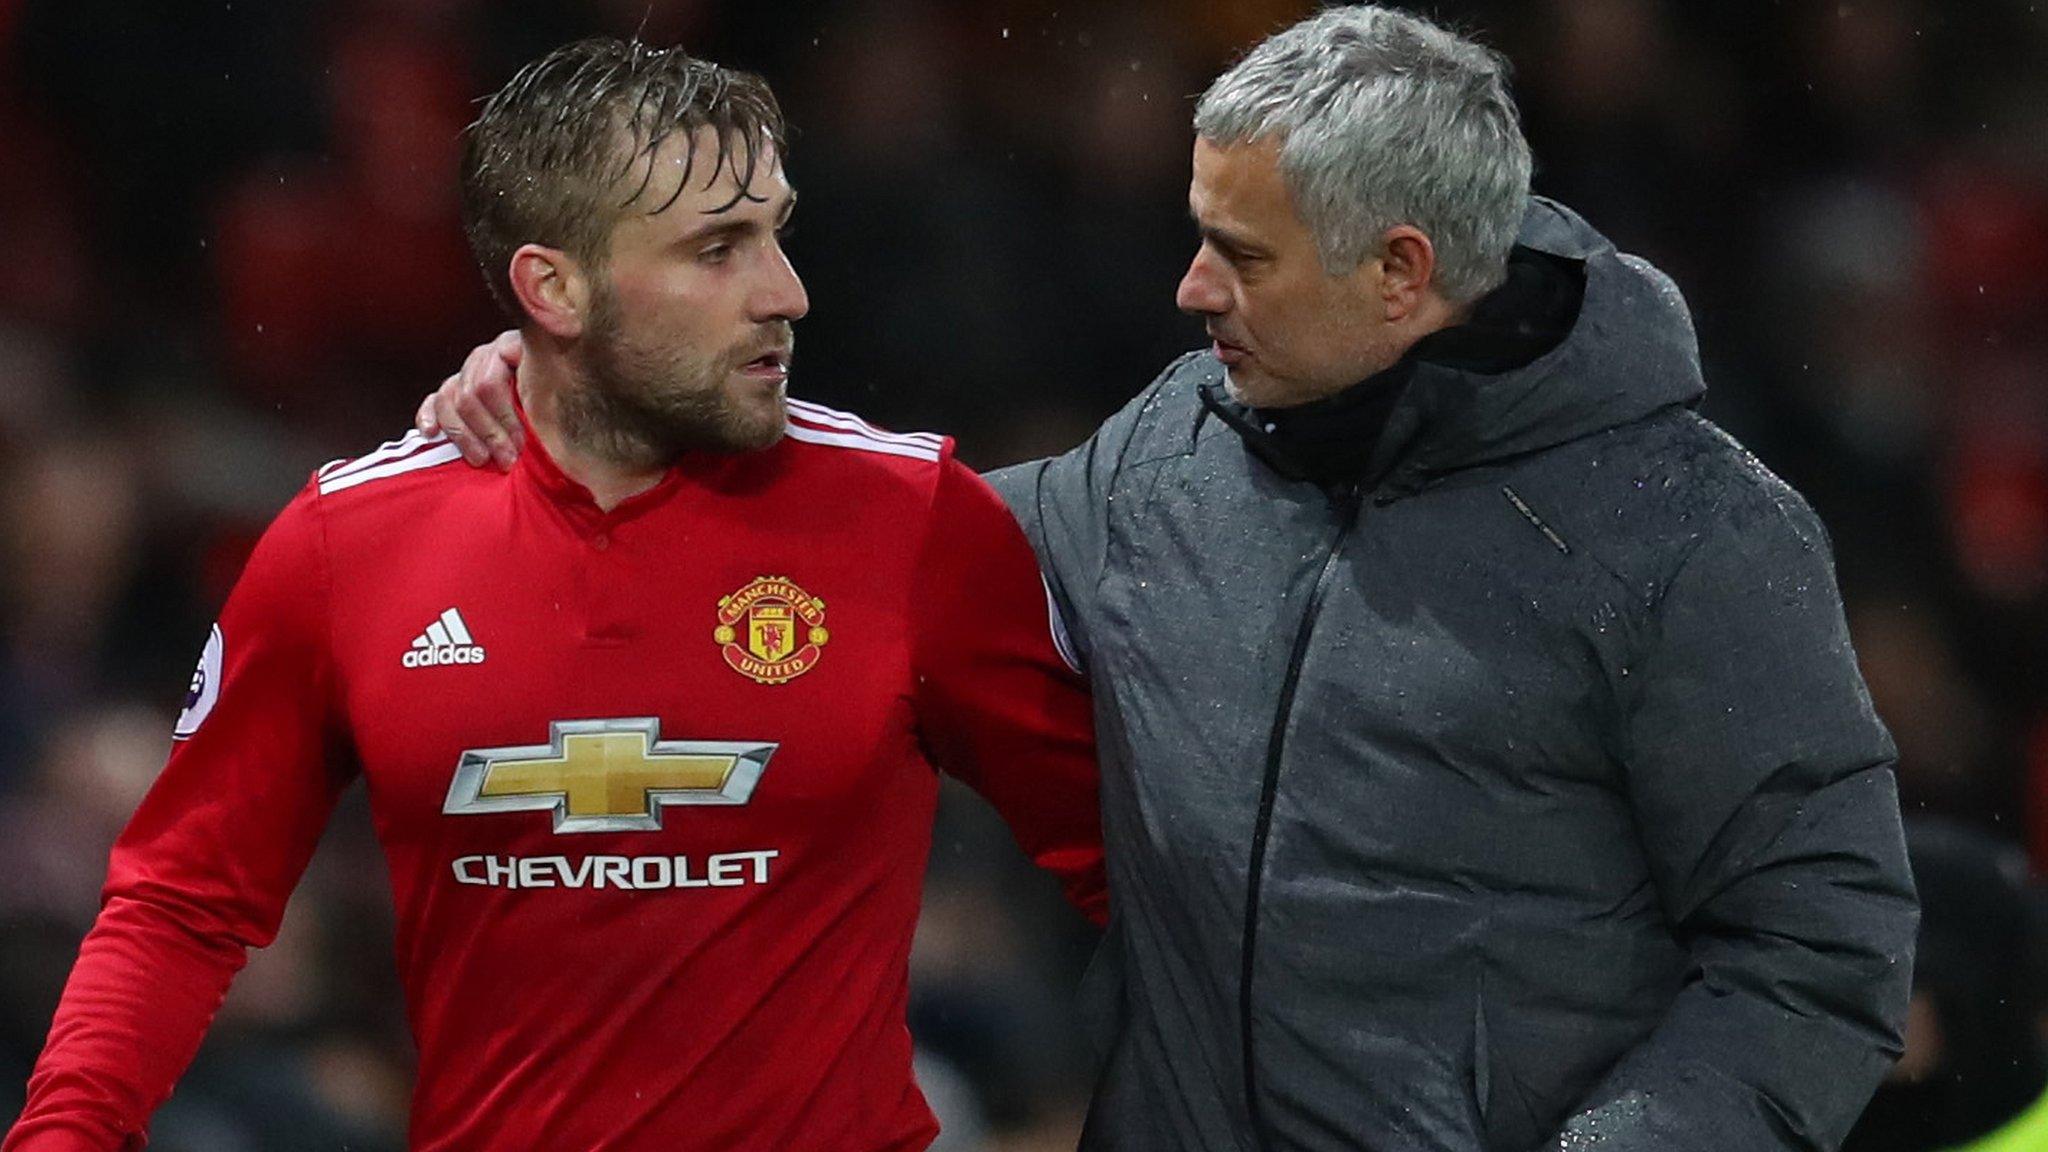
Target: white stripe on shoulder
[[390, 450], [439, 454], [848, 422], [860, 442]]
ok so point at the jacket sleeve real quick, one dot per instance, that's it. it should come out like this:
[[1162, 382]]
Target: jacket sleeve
[[1063, 503], [1763, 788], [202, 872], [997, 706]]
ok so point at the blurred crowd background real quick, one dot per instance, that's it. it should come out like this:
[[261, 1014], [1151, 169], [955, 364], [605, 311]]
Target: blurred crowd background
[[229, 251]]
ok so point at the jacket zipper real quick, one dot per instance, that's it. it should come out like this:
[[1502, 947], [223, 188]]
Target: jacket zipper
[[1349, 504]]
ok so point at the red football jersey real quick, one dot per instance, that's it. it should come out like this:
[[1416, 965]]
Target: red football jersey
[[656, 786]]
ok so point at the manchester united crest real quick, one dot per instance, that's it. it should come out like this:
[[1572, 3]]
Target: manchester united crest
[[771, 630]]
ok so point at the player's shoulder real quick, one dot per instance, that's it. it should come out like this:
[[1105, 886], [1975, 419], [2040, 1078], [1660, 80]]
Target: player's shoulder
[[412, 463], [852, 447]]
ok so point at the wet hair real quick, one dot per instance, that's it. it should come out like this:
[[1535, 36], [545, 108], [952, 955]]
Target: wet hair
[[567, 147], [1383, 118]]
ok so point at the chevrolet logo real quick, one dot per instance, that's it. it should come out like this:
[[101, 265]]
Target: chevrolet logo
[[605, 775]]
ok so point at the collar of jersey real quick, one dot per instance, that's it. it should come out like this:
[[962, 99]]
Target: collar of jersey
[[569, 494]]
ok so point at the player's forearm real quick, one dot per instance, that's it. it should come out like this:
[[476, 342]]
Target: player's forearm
[[1023, 737], [138, 1002], [64, 1134], [1083, 877]]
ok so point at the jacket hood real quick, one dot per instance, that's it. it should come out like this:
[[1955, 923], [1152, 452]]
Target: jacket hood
[[1630, 352]]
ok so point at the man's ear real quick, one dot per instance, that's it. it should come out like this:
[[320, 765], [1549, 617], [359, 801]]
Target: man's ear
[[1409, 263], [553, 288]]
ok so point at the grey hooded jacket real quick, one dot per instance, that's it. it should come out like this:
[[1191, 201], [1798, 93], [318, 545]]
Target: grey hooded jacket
[[1529, 791]]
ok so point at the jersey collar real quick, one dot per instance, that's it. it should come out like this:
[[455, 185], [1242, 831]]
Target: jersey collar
[[697, 469]]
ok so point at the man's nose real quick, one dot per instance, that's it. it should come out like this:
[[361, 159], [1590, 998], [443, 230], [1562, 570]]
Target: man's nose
[[782, 297], [1201, 290]]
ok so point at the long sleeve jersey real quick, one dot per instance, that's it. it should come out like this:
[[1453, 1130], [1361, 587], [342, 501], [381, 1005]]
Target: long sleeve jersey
[[656, 786]]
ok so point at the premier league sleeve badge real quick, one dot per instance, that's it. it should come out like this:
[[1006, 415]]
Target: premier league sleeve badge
[[204, 691]]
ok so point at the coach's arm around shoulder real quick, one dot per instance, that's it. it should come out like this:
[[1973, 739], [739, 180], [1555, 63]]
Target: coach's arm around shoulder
[[1764, 793]]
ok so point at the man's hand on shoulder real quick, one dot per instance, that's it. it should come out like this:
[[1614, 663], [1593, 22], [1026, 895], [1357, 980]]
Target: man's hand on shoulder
[[475, 408]]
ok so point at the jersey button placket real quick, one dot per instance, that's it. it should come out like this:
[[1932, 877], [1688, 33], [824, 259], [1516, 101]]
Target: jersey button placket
[[609, 607]]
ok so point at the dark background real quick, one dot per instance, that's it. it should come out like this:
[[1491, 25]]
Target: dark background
[[229, 252]]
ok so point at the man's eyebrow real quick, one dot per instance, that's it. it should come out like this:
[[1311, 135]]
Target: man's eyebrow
[[1227, 240], [717, 228], [718, 225]]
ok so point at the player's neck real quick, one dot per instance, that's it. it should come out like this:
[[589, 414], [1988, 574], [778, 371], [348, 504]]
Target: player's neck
[[613, 464]]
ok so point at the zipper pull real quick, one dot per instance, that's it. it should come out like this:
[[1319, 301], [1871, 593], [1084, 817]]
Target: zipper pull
[[1349, 497]]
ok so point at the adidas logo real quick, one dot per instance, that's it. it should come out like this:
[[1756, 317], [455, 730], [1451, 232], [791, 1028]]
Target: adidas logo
[[446, 641]]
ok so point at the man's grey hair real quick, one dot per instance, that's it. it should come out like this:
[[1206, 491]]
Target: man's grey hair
[[1383, 118]]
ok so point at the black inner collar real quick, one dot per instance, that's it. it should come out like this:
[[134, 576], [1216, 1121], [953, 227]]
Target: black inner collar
[[1330, 440]]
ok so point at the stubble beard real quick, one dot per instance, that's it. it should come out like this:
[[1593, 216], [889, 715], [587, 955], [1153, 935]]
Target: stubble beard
[[647, 407]]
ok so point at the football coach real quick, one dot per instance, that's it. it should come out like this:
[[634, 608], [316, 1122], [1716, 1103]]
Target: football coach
[[1485, 762]]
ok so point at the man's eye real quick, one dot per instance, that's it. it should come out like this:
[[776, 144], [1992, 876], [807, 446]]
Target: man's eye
[[715, 254], [1239, 256]]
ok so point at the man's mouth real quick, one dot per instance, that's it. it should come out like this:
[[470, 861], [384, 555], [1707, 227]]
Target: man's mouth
[[772, 365], [1227, 351]]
